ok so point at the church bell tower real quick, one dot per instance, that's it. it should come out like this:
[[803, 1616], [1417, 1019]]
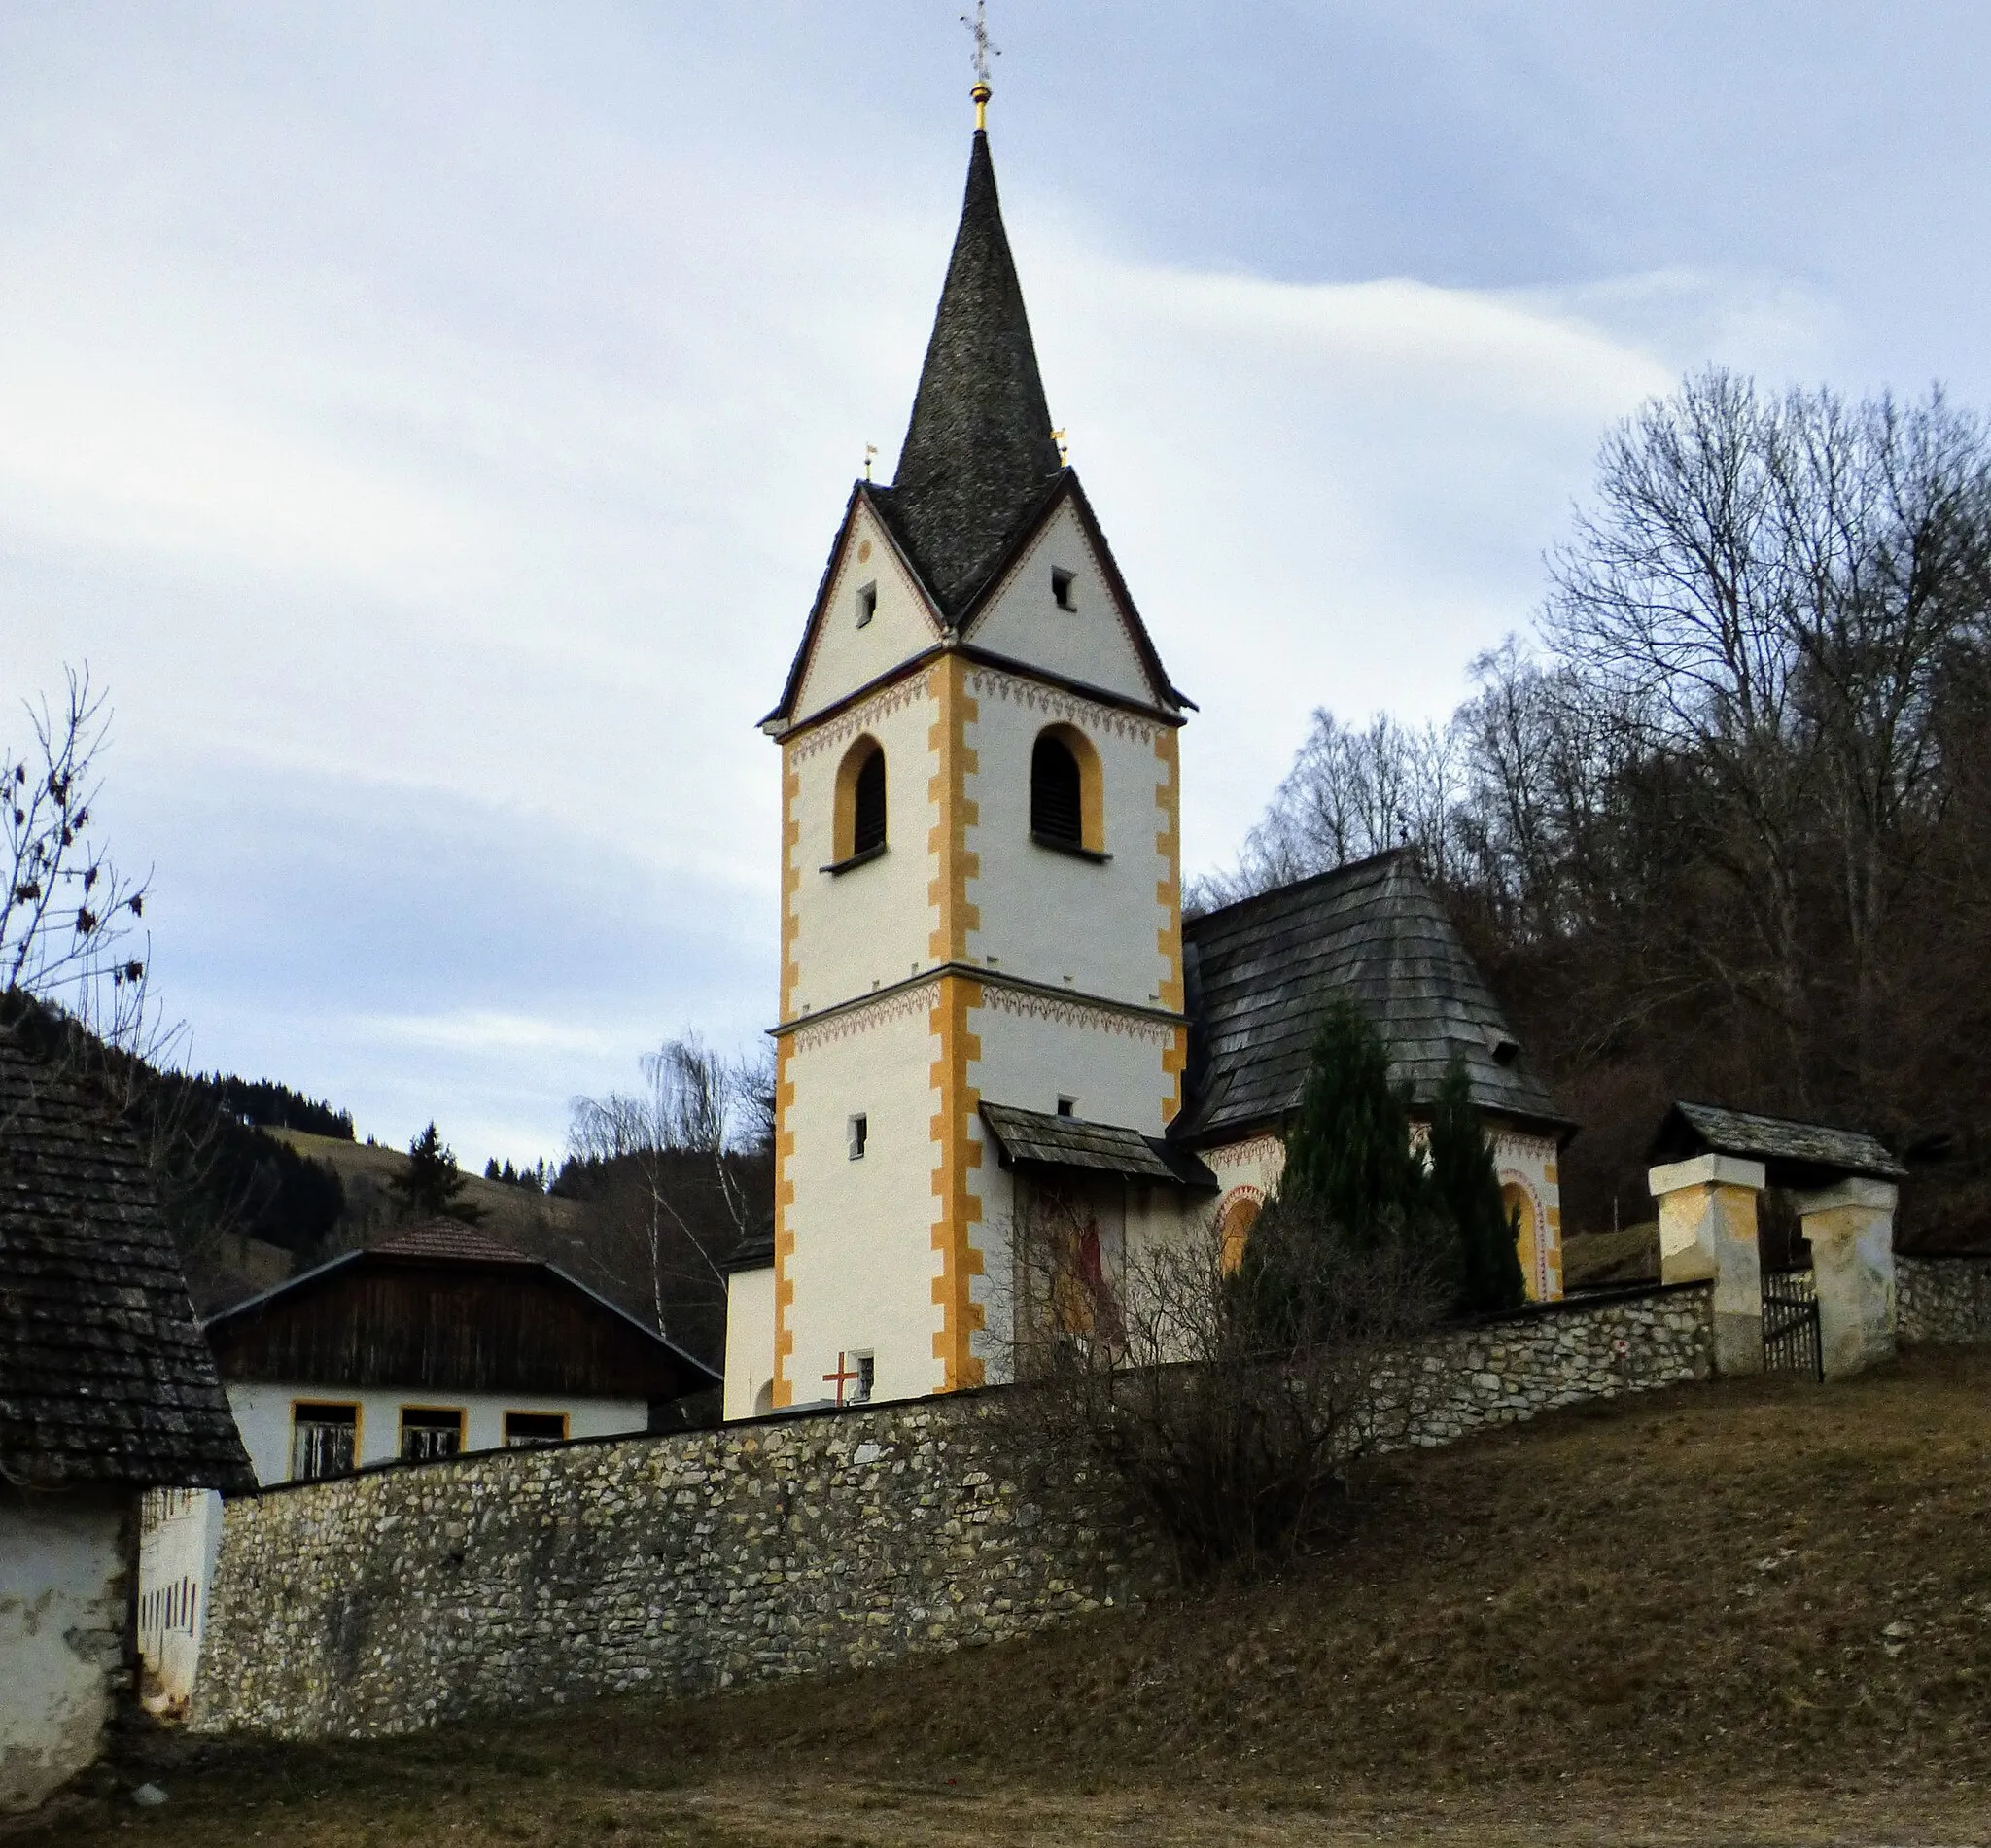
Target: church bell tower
[[981, 924]]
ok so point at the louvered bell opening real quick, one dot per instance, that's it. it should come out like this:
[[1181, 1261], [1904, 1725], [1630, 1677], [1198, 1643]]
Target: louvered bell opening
[[869, 831], [1054, 805]]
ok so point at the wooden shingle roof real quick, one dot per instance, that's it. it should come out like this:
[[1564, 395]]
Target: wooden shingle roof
[[1039, 1139], [1796, 1154], [1262, 974], [104, 1373]]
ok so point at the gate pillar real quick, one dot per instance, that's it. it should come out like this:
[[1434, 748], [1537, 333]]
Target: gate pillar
[[1851, 1230], [1707, 1229]]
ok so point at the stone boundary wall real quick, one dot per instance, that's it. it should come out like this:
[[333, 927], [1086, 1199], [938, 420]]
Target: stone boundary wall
[[519, 1580], [1943, 1299]]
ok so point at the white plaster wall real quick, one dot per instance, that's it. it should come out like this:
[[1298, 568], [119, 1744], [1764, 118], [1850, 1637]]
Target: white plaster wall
[[1091, 642], [262, 1415], [864, 1265], [750, 1341], [1051, 917], [846, 658], [872, 925], [180, 1538], [1036, 1048], [64, 1578]]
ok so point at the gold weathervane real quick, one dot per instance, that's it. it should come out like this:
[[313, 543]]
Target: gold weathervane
[[984, 50]]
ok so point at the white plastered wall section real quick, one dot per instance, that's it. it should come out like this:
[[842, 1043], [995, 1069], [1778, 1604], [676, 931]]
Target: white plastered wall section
[[846, 656], [1091, 642], [63, 1592], [264, 1417], [1035, 1049], [872, 925], [749, 1342], [1050, 917], [864, 1265], [177, 1549]]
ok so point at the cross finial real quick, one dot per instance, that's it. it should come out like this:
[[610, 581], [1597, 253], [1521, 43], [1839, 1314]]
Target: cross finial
[[985, 48]]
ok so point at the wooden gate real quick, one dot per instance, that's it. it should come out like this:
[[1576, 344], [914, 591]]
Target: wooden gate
[[1790, 1343]]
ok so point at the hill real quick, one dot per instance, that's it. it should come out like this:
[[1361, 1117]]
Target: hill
[[1749, 1613]]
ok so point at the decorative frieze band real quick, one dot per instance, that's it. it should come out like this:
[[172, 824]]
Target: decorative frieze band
[[866, 712], [1261, 1151], [1071, 1011], [1054, 703], [861, 1019]]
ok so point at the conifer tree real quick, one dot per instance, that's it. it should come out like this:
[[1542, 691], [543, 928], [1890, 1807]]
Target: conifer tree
[[1348, 1155], [431, 1183], [1468, 1188]]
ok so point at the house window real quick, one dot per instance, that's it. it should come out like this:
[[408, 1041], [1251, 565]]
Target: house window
[[1068, 1106], [1061, 588], [523, 1428], [428, 1432], [867, 604], [858, 826], [1068, 807], [867, 1377], [325, 1440], [857, 1133]]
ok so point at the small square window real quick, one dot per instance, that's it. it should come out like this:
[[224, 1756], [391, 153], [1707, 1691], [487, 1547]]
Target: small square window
[[860, 1131], [1061, 588], [324, 1439], [867, 604], [868, 1377], [1068, 1106], [522, 1428], [429, 1432]]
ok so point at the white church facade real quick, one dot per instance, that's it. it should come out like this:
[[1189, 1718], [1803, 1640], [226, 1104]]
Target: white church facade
[[985, 972]]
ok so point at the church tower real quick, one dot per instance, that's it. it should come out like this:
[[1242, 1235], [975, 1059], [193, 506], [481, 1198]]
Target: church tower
[[981, 925]]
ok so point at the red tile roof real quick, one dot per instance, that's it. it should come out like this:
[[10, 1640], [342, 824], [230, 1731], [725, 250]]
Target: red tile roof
[[449, 1238]]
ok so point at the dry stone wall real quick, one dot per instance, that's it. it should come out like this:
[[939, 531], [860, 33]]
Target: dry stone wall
[[524, 1579], [1943, 1299]]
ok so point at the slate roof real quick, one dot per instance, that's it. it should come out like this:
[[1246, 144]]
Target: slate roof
[[104, 1374], [1061, 1142], [978, 456], [1796, 1154], [1263, 972]]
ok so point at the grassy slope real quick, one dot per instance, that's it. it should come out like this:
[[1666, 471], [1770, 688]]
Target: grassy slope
[[366, 1169], [1757, 1612]]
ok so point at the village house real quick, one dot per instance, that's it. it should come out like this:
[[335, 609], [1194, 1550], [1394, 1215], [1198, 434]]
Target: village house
[[107, 1390], [987, 985], [436, 1341]]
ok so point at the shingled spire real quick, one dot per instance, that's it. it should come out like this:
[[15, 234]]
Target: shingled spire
[[979, 454]]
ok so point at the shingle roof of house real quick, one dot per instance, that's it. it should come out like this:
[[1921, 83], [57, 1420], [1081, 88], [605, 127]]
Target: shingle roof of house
[[448, 1238], [104, 1374], [1797, 1154], [1262, 974], [979, 455], [1061, 1142]]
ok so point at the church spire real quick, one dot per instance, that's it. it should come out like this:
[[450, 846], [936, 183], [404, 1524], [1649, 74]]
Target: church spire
[[978, 454]]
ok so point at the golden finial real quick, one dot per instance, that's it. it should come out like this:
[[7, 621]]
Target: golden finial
[[1063, 448], [984, 50]]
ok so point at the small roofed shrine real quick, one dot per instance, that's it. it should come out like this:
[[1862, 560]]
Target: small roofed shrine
[[1711, 1167]]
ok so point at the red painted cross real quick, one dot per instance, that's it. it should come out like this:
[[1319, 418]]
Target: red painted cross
[[845, 1375]]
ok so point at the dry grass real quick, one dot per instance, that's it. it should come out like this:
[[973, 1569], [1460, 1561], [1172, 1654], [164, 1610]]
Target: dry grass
[[1751, 1613]]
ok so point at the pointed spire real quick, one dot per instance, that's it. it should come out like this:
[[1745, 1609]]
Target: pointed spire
[[978, 454]]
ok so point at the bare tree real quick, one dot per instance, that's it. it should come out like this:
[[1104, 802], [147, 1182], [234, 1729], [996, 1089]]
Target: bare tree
[[70, 923], [1227, 1400], [697, 1111]]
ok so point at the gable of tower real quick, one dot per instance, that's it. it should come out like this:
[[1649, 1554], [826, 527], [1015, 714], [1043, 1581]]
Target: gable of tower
[[871, 616], [1058, 604]]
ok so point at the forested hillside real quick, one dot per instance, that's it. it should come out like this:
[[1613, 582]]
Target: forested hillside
[[1725, 833]]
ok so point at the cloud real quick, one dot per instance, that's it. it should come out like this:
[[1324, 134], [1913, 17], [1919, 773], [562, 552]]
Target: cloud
[[442, 503]]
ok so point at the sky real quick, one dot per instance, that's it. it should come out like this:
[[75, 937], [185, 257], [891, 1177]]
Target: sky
[[429, 421]]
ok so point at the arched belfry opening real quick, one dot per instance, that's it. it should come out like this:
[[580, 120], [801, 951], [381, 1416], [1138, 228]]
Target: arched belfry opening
[[860, 806], [1067, 807]]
